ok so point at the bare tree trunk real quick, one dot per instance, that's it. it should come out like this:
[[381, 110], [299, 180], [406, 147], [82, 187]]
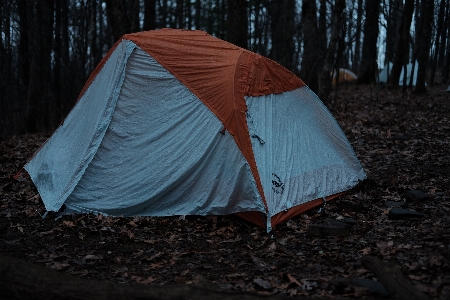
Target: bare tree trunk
[[48, 11], [163, 12], [57, 72], [445, 30], [118, 18], [149, 14], [402, 51], [23, 61], [40, 104], [357, 57], [369, 67], [179, 14], [133, 16], [415, 40], [446, 46], [31, 114], [237, 23], [6, 74], [69, 90], [323, 15], [282, 25], [440, 25], [393, 28], [424, 43], [92, 36], [189, 15], [325, 76], [312, 54], [259, 28], [197, 17]]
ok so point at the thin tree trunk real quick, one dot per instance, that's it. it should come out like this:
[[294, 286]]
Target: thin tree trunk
[[57, 73], [393, 28], [369, 67], [149, 14], [237, 23], [402, 50], [323, 15], [23, 62], [179, 14], [415, 40], [93, 35], [134, 16], [424, 42], [197, 17], [445, 30], [69, 89], [446, 57], [46, 42], [312, 54], [440, 25], [118, 18], [325, 76], [163, 13], [282, 25], [39, 101], [357, 57], [4, 111], [189, 15]]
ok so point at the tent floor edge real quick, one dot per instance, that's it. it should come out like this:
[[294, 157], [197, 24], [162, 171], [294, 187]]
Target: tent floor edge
[[255, 217], [299, 209], [261, 219]]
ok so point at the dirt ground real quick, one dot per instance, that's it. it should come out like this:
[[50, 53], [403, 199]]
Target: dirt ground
[[402, 141]]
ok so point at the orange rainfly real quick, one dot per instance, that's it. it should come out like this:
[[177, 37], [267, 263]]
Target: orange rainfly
[[237, 73]]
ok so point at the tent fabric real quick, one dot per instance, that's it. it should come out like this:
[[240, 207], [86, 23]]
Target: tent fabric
[[58, 166], [219, 73], [383, 77], [345, 75], [202, 180], [307, 162], [176, 122]]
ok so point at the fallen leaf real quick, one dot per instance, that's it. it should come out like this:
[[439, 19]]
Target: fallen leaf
[[262, 266], [69, 223], [292, 280], [93, 257], [138, 254]]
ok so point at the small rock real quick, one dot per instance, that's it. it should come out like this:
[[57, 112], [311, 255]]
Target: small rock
[[329, 228], [416, 195], [349, 221], [372, 286], [390, 203], [397, 213]]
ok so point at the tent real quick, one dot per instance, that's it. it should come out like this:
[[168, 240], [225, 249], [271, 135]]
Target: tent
[[177, 122], [345, 76], [384, 74]]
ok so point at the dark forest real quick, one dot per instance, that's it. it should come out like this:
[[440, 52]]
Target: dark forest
[[49, 48]]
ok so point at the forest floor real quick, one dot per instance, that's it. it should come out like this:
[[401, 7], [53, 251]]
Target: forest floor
[[402, 141]]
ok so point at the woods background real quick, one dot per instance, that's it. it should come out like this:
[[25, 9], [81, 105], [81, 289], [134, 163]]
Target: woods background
[[49, 47]]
